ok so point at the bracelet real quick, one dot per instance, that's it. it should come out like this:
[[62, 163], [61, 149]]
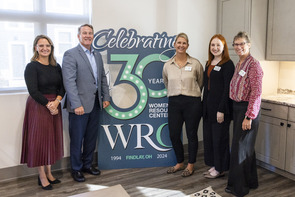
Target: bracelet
[[247, 118], [58, 100]]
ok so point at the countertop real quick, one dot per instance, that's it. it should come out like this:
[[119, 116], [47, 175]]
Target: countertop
[[280, 99]]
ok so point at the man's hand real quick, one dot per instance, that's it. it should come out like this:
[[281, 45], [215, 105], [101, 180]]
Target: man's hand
[[105, 104], [79, 110]]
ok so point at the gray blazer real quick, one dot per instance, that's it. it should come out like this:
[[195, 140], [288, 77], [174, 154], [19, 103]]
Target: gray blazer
[[79, 80]]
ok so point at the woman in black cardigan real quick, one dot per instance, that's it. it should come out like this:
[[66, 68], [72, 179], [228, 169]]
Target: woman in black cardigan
[[217, 107]]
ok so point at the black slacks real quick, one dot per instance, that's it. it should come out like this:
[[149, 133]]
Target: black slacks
[[216, 143], [188, 110], [243, 172]]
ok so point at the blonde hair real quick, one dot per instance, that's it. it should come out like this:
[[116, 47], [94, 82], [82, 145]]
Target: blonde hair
[[182, 35], [52, 60]]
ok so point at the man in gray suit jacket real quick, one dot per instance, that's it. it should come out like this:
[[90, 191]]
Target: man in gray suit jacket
[[87, 92]]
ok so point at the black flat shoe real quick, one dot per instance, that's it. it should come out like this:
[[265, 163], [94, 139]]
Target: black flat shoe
[[227, 190], [78, 176], [91, 170], [48, 187], [56, 181]]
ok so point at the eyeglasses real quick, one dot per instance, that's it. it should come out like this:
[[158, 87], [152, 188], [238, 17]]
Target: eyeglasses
[[46, 45], [238, 44]]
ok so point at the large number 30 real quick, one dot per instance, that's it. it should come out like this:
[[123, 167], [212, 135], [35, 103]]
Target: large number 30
[[136, 79]]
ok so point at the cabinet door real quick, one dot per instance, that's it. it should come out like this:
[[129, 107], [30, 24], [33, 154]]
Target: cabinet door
[[281, 30], [271, 141], [290, 148], [233, 16]]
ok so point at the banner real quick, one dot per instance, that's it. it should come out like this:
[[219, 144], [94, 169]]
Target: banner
[[133, 129]]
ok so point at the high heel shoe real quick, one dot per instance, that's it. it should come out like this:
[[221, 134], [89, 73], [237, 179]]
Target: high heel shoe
[[56, 181], [48, 187]]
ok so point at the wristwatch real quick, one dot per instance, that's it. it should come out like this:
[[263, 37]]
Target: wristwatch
[[247, 118]]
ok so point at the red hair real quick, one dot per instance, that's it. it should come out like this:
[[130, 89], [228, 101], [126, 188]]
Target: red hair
[[225, 54]]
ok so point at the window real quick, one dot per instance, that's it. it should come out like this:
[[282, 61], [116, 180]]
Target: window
[[22, 20]]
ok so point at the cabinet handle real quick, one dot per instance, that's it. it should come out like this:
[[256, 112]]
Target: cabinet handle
[[266, 109], [288, 125], [282, 124]]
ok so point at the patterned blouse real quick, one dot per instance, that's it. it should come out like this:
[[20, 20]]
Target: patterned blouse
[[246, 85]]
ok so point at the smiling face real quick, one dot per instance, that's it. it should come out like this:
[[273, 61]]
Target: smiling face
[[242, 47], [85, 36], [43, 48], [181, 45], [216, 47]]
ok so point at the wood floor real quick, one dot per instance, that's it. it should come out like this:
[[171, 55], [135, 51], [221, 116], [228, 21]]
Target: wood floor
[[147, 182]]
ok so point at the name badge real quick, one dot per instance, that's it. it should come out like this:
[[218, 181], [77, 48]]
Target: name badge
[[242, 73], [217, 68], [188, 68]]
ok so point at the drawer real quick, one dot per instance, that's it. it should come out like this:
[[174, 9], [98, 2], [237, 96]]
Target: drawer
[[274, 110], [291, 114]]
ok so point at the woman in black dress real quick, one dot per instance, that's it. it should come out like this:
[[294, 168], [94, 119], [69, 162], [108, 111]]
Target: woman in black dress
[[42, 143], [217, 107]]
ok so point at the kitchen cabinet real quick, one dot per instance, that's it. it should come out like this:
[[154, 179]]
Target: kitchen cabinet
[[275, 141], [281, 30], [290, 146], [271, 137], [243, 15]]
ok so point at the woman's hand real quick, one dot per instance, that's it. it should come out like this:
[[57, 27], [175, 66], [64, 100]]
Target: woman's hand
[[220, 117], [52, 107], [54, 112], [246, 125], [53, 104]]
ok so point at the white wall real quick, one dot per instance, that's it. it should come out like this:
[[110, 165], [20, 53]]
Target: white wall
[[270, 81], [287, 75], [197, 18], [13, 108]]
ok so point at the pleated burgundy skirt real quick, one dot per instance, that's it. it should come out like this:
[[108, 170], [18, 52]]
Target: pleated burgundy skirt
[[42, 142]]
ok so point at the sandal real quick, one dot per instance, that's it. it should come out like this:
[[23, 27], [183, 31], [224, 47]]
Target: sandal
[[187, 173], [173, 170]]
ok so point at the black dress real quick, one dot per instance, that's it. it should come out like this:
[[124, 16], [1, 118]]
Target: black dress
[[42, 142]]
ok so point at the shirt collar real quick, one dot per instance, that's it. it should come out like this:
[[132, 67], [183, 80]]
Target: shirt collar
[[85, 49], [188, 61]]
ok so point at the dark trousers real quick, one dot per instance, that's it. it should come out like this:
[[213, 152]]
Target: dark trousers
[[83, 135], [216, 143], [189, 110], [243, 172]]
